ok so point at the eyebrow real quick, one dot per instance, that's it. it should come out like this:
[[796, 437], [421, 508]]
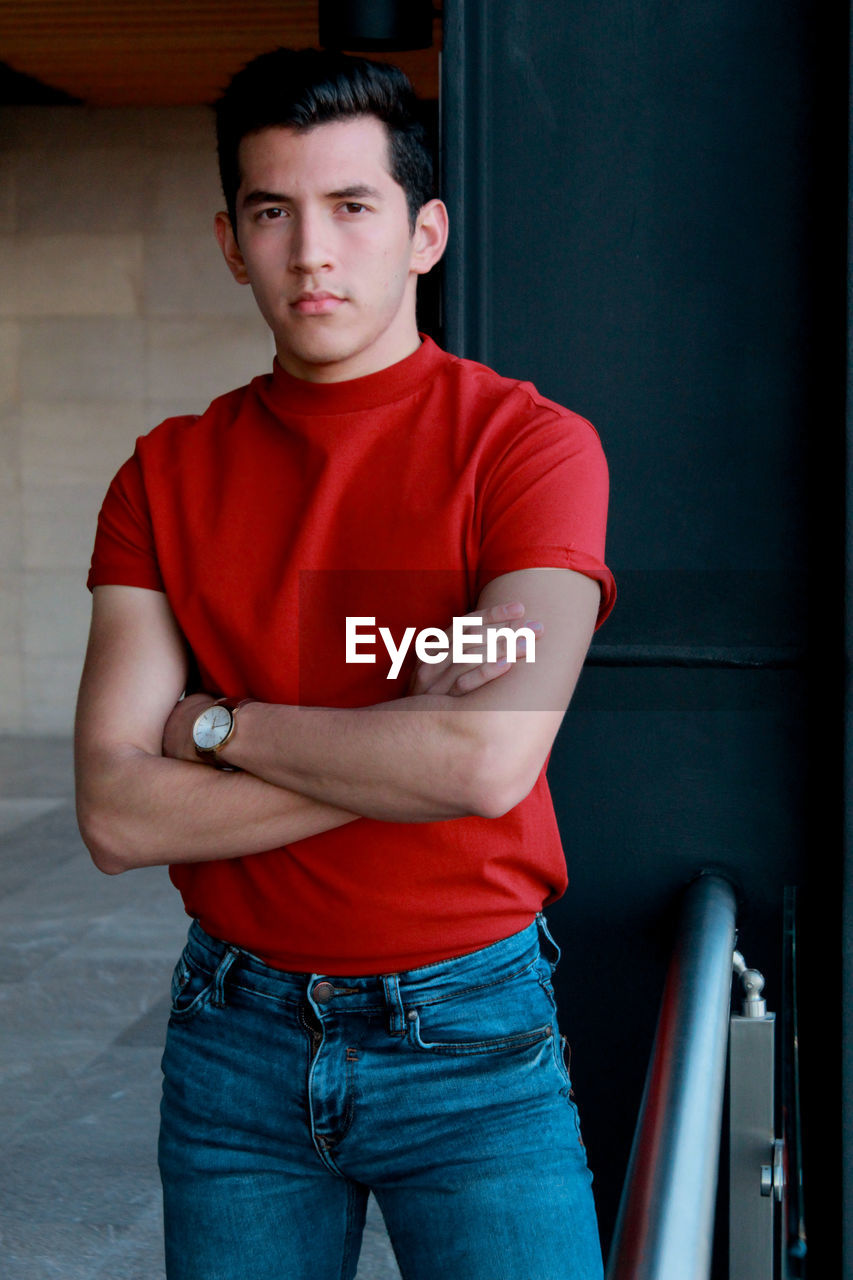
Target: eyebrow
[[357, 191]]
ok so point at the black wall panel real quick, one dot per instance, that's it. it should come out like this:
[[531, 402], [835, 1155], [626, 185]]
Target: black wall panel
[[648, 223]]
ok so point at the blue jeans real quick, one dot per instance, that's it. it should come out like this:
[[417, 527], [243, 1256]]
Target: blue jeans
[[443, 1090]]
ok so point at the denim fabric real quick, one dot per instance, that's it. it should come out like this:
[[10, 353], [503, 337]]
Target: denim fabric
[[444, 1090]]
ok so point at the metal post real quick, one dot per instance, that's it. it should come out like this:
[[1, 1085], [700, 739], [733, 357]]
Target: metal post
[[756, 1177]]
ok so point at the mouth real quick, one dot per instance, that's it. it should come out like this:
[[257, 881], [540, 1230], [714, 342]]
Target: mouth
[[317, 304]]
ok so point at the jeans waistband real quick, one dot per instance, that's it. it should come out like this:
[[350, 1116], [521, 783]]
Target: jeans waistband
[[428, 984]]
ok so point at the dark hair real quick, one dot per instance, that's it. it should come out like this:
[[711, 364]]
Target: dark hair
[[299, 89]]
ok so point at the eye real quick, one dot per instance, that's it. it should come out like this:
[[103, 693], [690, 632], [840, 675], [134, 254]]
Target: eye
[[271, 214], [353, 206]]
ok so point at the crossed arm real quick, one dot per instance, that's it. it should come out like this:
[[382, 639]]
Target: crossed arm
[[426, 757]]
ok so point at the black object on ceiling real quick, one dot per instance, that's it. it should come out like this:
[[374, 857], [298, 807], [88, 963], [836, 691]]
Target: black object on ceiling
[[375, 25], [17, 89]]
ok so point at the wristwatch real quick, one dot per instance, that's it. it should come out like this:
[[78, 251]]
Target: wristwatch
[[214, 727]]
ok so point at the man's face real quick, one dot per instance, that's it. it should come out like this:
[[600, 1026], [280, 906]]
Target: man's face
[[325, 243]]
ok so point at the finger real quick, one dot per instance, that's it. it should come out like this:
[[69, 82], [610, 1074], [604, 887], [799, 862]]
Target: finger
[[475, 677], [510, 611], [440, 678], [468, 681], [437, 684], [514, 645], [427, 675]]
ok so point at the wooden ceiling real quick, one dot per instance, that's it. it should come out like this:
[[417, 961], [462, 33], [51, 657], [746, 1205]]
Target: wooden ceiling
[[117, 53]]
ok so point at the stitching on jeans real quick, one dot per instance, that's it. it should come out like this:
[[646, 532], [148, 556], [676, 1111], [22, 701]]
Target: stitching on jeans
[[347, 1260], [464, 991], [462, 1048], [294, 999]]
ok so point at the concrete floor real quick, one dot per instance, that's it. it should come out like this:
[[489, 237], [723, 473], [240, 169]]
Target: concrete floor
[[85, 962]]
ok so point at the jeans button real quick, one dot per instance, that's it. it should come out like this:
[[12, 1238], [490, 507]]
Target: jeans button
[[323, 992]]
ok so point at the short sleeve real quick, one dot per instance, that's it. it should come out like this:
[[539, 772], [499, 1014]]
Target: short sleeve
[[545, 501], [124, 553]]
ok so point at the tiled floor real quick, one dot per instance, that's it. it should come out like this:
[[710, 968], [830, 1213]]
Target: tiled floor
[[85, 961]]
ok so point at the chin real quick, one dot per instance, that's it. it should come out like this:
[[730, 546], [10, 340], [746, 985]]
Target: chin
[[325, 355], [323, 349]]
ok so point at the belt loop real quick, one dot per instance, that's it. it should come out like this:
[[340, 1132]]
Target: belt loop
[[547, 945], [394, 1004], [225, 964]]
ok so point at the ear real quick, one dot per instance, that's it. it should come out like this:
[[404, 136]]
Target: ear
[[430, 236], [230, 248]]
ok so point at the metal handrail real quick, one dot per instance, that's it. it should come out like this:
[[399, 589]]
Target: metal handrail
[[665, 1226]]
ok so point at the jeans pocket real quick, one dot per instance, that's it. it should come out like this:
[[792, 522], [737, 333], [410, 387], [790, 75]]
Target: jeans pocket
[[501, 1017], [460, 1048], [191, 989]]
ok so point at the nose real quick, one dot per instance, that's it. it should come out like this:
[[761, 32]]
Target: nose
[[309, 247]]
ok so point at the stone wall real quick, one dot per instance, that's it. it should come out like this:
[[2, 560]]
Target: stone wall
[[116, 310]]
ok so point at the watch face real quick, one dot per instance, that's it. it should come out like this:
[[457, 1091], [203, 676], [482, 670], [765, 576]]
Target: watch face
[[212, 728]]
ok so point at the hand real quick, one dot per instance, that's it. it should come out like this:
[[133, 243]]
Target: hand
[[178, 733], [458, 678]]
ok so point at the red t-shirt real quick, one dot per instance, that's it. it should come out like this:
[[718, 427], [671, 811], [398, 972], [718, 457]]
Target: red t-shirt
[[286, 508]]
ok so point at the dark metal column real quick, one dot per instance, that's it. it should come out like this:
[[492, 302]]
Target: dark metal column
[[645, 203]]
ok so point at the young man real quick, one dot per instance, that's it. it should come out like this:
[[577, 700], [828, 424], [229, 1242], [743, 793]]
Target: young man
[[365, 1001]]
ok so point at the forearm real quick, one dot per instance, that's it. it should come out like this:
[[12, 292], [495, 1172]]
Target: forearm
[[136, 809], [428, 758], [418, 759]]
